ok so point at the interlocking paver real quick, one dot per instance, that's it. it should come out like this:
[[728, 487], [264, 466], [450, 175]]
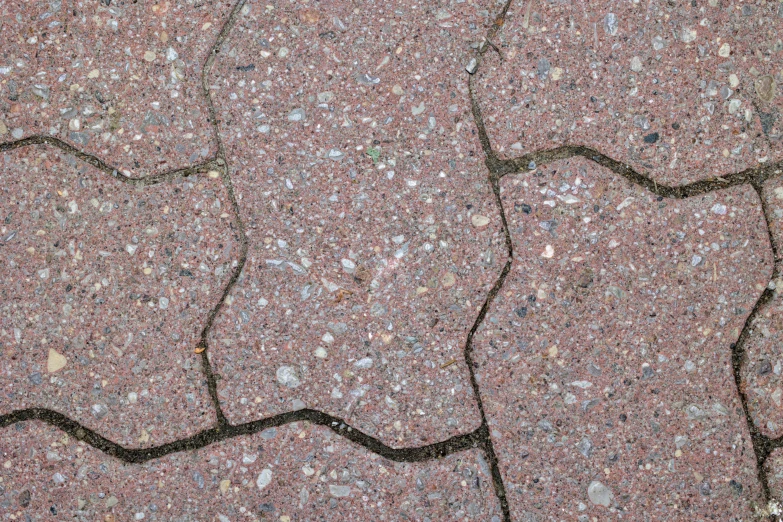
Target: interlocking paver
[[373, 232], [360, 209], [682, 91], [105, 290], [119, 80], [761, 373], [605, 362], [293, 473]]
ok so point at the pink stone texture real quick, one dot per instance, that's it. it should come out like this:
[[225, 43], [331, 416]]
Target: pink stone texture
[[218, 216], [293, 473], [773, 197], [681, 91], [764, 348], [774, 469], [106, 288], [373, 232], [604, 362], [118, 80]]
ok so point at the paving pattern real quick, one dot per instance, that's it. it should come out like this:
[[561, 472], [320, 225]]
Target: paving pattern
[[399, 261]]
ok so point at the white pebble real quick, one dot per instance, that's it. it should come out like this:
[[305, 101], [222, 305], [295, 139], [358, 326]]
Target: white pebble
[[599, 494], [297, 114], [286, 375], [339, 491], [264, 478], [364, 363]]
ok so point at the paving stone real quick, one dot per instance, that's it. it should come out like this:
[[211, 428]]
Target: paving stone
[[773, 196], [604, 363], [292, 473], [119, 80], [774, 469], [761, 375], [681, 91], [374, 236], [105, 290]]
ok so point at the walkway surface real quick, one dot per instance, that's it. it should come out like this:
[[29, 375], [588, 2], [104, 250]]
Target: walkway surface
[[391, 260]]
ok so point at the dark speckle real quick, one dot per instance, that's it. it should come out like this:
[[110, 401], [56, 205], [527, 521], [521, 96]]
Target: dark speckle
[[246, 68], [651, 138]]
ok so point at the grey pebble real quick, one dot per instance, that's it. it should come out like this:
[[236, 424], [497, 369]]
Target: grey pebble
[[543, 68], [99, 411], [336, 154], [611, 24], [297, 114], [366, 79], [599, 494], [585, 447]]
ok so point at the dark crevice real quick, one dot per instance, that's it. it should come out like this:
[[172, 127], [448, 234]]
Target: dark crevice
[[101, 165], [484, 431], [220, 433], [763, 445], [530, 161], [768, 217], [210, 61], [489, 449], [209, 374], [211, 379], [760, 442]]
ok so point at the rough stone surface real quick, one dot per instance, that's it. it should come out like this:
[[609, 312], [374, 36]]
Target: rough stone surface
[[763, 366], [312, 474], [773, 196], [119, 80], [774, 469], [606, 356], [357, 186], [681, 91], [105, 290], [374, 234]]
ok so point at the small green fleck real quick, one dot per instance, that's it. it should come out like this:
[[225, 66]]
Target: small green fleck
[[375, 154]]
